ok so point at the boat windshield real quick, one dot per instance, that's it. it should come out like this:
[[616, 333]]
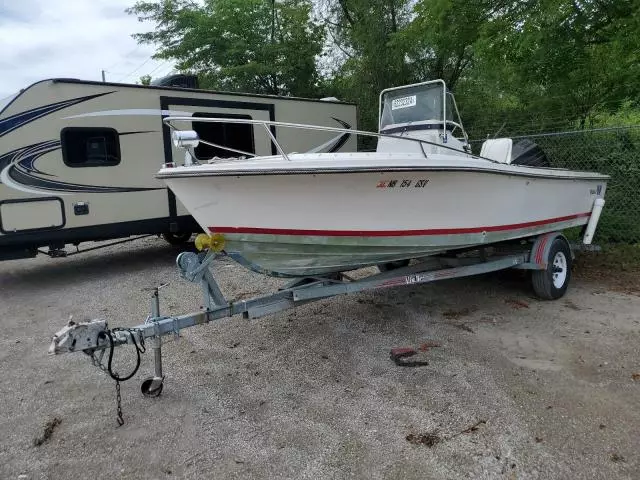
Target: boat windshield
[[6, 100], [414, 104], [450, 108]]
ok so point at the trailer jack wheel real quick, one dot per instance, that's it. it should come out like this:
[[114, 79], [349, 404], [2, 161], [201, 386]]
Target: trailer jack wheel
[[152, 387]]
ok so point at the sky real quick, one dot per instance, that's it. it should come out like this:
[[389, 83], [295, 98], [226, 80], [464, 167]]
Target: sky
[[42, 39]]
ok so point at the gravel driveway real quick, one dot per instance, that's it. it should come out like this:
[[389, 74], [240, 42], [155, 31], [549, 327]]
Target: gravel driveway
[[516, 388]]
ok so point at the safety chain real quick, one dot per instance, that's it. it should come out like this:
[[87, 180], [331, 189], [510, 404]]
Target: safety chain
[[97, 362], [119, 419]]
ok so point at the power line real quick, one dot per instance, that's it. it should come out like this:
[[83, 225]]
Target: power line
[[158, 67], [111, 72], [161, 71], [171, 70], [136, 69], [123, 57]]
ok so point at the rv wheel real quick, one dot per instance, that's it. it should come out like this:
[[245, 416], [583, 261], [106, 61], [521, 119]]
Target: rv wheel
[[552, 283], [177, 238], [385, 267]]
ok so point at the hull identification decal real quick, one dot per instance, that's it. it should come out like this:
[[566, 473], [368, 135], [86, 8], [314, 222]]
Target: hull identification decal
[[402, 183]]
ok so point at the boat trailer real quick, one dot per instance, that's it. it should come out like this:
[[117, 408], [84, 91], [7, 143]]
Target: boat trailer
[[96, 339]]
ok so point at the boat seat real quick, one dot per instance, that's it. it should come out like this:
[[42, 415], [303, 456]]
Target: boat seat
[[497, 149]]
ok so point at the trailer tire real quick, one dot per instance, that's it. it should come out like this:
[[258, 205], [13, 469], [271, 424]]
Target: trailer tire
[[177, 238], [552, 283]]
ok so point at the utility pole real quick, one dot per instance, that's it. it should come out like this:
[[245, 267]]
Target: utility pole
[[103, 80]]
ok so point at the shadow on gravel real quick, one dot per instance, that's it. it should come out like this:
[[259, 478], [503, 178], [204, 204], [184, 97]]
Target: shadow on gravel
[[139, 257], [41, 272]]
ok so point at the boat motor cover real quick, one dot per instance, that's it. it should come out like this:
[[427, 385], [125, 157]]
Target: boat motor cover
[[526, 152], [498, 150]]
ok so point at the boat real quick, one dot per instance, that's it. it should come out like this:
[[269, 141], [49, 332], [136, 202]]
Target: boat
[[422, 192]]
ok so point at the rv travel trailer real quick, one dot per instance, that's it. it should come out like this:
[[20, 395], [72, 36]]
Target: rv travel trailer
[[78, 158]]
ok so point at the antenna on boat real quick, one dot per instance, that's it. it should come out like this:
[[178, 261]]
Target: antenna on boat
[[495, 135]]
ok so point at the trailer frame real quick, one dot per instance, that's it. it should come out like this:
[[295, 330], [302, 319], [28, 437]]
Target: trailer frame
[[95, 337]]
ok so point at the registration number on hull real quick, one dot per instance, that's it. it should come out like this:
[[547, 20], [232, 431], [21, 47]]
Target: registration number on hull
[[420, 183]]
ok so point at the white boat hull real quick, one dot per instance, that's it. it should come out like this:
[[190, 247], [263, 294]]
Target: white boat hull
[[301, 223]]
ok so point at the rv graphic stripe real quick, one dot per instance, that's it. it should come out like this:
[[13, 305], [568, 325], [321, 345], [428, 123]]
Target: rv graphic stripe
[[28, 180], [20, 119], [18, 171], [32, 154], [26, 156], [343, 138], [335, 143]]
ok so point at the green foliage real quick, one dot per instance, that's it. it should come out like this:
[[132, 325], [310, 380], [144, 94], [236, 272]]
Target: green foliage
[[367, 34], [239, 45], [145, 80], [442, 37], [521, 66], [560, 62], [627, 114]]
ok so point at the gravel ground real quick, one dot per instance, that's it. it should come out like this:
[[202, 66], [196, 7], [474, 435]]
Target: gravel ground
[[517, 388]]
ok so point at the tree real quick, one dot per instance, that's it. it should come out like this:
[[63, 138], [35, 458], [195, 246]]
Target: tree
[[145, 80], [260, 46], [393, 42], [441, 39], [516, 66], [365, 33], [559, 62]]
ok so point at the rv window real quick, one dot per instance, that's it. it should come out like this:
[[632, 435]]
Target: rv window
[[234, 135], [90, 147]]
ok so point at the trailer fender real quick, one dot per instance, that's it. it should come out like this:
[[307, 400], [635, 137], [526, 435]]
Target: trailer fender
[[539, 256]]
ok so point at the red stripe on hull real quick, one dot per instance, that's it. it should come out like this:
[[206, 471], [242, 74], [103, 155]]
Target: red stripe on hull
[[394, 233]]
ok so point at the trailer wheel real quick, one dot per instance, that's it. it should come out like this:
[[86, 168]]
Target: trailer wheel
[[552, 283], [177, 238]]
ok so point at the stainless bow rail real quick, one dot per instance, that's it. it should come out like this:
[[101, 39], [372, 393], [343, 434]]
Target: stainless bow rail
[[181, 141]]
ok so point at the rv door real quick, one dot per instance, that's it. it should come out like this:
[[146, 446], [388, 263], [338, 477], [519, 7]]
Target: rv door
[[244, 137]]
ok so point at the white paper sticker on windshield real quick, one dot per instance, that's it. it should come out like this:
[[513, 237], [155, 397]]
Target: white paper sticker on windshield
[[403, 102]]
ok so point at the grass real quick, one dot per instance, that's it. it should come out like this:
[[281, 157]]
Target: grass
[[616, 266]]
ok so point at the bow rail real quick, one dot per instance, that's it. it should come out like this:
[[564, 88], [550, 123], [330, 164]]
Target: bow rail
[[185, 138]]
